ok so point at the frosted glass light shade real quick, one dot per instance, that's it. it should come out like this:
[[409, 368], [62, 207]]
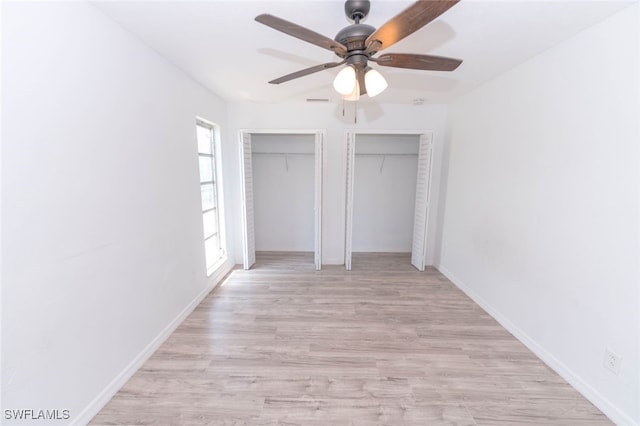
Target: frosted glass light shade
[[375, 82], [345, 81], [354, 95]]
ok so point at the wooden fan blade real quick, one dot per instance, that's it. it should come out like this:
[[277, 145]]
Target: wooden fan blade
[[418, 62], [306, 71], [407, 22], [360, 72], [302, 33]]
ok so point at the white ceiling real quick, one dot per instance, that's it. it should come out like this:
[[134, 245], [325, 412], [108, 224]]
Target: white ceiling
[[220, 45]]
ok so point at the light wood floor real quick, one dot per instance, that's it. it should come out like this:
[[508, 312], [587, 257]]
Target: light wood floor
[[383, 344]]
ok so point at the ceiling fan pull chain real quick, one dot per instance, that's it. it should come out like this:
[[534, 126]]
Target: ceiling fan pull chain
[[355, 113], [384, 157]]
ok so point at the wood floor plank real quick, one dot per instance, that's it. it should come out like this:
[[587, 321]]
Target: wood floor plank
[[383, 344]]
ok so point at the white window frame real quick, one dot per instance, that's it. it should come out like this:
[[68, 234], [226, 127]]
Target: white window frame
[[216, 182]]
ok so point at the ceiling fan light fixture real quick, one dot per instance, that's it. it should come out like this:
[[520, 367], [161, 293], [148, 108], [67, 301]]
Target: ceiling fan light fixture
[[345, 81], [375, 82]]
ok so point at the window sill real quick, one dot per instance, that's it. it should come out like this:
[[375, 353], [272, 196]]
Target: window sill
[[216, 266]]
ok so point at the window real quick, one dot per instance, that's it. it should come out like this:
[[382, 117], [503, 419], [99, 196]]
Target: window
[[209, 189]]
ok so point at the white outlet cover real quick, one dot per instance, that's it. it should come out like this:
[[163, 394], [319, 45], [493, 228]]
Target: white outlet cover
[[612, 361]]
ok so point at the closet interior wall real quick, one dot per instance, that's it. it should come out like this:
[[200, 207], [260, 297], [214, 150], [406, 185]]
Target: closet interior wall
[[283, 186], [384, 192]]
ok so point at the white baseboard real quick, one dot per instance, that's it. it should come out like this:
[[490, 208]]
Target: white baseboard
[[112, 388], [596, 398]]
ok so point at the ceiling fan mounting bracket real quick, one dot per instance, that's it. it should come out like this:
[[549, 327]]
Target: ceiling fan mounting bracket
[[356, 10]]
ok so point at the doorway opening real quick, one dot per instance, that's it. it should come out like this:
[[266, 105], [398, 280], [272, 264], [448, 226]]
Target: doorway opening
[[282, 194], [388, 186]]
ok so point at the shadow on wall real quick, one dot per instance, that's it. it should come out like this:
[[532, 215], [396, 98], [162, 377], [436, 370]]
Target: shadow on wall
[[349, 112], [442, 194]]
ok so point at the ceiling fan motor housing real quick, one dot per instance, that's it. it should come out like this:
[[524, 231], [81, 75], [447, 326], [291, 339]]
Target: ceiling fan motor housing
[[353, 36]]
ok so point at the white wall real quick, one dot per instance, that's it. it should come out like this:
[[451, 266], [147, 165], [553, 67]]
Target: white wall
[[328, 117], [541, 223], [384, 193], [102, 231], [283, 191]]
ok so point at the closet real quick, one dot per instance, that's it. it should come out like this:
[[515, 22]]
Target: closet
[[281, 197], [388, 177]]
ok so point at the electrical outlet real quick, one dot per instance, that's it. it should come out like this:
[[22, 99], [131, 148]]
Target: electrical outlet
[[612, 361]]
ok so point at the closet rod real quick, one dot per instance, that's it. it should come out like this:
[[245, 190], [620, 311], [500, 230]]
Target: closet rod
[[387, 155], [281, 153]]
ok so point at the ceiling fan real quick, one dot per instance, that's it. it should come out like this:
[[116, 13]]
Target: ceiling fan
[[357, 44]]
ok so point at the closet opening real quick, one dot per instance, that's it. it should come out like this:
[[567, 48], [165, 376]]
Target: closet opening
[[388, 177], [282, 197]]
